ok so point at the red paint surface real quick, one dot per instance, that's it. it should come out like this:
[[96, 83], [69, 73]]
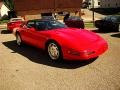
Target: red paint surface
[[12, 25], [76, 44]]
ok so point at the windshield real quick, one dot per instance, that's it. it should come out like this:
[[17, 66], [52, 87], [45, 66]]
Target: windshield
[[49, 25], [115, 18], [107, 18], [55, 24], [112, 18]]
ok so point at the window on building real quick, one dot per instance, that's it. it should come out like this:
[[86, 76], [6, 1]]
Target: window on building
[[98, 3]]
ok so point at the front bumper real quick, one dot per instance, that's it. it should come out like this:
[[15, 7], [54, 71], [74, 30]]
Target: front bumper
[[92, 52]]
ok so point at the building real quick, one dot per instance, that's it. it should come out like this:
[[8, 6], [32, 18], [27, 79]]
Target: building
[[103, 3], [0, 8], [43, 6], [94, 3], [36, 7], [109, 3], [3, 10]]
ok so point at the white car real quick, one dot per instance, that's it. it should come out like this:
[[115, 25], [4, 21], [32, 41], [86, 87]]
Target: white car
[[16, 19]]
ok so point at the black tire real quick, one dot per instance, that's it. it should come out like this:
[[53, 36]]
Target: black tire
[[18, 39], [116, 28], [54, 51], [100, 29]]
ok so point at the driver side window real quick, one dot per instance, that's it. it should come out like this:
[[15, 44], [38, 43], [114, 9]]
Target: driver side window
[[41, 25], [31, 24], [108, 18]]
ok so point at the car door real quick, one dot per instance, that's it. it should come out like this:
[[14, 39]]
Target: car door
[[41, 36], [107, 22], [29, 33]]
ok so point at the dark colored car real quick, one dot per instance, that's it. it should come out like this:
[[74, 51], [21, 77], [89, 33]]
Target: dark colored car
[[109, 23], [75, 22], [85, 4]]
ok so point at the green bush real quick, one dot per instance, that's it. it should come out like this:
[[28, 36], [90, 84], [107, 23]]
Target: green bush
[[4, 19]]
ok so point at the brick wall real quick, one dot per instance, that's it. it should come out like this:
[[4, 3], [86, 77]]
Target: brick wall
[[23, 7]]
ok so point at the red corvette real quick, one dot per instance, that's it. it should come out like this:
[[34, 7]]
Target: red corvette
[[61, 42], [13, 23]]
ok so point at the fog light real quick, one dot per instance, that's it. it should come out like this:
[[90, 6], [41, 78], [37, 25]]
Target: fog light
[[92, 52], [73, 52], [87, 53]]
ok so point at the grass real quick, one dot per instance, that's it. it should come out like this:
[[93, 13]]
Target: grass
[[3, 21], [89, 25]]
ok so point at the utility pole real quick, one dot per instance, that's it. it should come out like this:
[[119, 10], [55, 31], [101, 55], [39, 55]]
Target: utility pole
[[93, 14]]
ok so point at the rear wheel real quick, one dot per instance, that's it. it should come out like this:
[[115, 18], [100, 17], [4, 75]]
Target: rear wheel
[[18, 39], [54, 51]]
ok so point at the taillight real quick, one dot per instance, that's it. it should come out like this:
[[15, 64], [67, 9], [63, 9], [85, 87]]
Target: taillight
[[14, 23]]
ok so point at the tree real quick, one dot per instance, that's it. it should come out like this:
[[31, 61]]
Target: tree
[[9, 4]]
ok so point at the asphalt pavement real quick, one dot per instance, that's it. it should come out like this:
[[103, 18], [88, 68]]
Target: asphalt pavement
[[28, 68]]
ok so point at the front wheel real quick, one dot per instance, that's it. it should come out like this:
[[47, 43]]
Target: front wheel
[[18, 39], [54, 51]]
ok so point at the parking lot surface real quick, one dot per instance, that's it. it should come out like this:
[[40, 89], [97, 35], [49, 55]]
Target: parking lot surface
[[28, 68]]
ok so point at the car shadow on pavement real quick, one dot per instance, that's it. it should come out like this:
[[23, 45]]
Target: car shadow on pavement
[[5, 32], [39, 56], [116, 35]]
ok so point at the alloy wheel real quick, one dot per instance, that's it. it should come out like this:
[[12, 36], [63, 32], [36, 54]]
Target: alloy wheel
[[53, 51], [18, 39]]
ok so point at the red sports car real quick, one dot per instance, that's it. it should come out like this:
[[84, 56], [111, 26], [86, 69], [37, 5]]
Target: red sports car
[[61, 42], [13, 23]]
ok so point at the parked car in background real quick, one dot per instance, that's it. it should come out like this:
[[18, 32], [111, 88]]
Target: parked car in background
[[14, 23], [59, 41], [75, 22], [109, 23], [48, 17]]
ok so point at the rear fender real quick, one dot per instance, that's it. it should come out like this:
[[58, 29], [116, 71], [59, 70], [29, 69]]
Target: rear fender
[[15, 30]]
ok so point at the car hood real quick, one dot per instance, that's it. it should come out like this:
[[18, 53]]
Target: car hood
[[78, 38]]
